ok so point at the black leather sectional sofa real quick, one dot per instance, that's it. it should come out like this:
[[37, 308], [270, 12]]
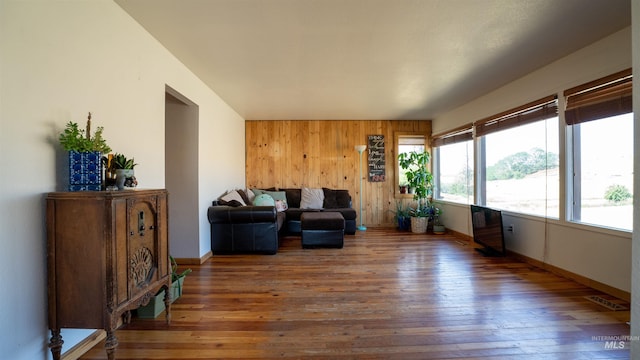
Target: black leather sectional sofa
[[256, 229]]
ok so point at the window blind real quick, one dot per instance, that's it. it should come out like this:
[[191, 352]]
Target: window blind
[[459, 134], [411, 140], [541, 109], [602, 98]]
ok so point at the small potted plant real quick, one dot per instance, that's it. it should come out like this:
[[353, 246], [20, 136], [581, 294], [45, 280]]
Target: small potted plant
[[85, 153], [177, 279], [124, 169], [421, 180], [156, 303], [402, 216], [438, 227]]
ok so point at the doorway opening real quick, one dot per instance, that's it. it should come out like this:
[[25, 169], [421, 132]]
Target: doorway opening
[[181, 173]]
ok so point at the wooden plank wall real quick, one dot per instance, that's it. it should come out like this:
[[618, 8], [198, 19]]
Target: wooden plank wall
[[320, 153]]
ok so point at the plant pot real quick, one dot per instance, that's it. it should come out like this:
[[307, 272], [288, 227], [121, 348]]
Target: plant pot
[[121, 176], [85, 171], [419, 224], [156, 305], [439, 229], [404, 223]]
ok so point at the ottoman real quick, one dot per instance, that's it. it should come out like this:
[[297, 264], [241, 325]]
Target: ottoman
[[322, 229]]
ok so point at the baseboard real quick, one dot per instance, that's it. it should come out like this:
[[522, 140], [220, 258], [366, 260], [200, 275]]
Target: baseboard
[[194, 261], [607, 289], [83, 346], [460, 235]]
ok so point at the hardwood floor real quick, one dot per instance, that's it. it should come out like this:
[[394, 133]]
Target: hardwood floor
[[385, 295]]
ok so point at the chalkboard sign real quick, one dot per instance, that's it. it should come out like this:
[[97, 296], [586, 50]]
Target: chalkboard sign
[[376, 159]]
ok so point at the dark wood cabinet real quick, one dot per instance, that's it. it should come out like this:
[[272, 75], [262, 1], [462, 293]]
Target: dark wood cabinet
[[107, 254]]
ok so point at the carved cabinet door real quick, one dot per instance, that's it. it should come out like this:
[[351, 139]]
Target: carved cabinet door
[[142, 244]]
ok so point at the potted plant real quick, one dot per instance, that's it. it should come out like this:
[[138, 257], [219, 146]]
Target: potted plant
[[402, 216], [124, 170], [85, 153], [438, 227], [177, 279], [420, 179], [156, 304]]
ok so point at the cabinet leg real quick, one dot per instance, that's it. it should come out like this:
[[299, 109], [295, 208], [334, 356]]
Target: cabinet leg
[[110, 345], [55, 343], [126, 317]]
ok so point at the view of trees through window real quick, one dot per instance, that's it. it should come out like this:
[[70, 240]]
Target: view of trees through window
[[522, 164], [518, 159], [455, 169], [522, 171], [603, 186], [407, 144]]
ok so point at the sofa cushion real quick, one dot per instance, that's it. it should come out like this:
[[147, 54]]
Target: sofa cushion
[[294, 214], [293, 197], [232, 203], [250, 195], [281, 205], [311, 198], [244, 196], [232, 195], [336, 199], [264, 200], [276, 195], [343, 199], [262, 191], [257, 192], [347, 213], [329, 199]]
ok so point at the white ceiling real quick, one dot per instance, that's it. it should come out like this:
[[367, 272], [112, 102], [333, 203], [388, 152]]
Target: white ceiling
[[369, 59]]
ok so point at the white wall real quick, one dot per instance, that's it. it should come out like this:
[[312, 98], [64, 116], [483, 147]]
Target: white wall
[[601, 255], [59, 60]]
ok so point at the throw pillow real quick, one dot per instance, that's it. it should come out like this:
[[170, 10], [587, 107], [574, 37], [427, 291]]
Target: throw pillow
[[232, 203], [277, 195], [258, 191], [329, 199], [281, 205], [311, 198], [244, 196], [250, 195], [343, 199], [293, 197], [233, 195], [262, 191], [263, 200]]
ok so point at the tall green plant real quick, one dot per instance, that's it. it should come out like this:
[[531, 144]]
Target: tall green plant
[[75, 139], [419, 177]]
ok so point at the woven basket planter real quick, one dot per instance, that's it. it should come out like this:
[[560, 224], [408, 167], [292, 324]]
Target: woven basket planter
[[419, 224]]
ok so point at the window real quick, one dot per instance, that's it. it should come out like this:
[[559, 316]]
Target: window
[[520, 159], [600, 119], [453, 165], [407, 142]]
